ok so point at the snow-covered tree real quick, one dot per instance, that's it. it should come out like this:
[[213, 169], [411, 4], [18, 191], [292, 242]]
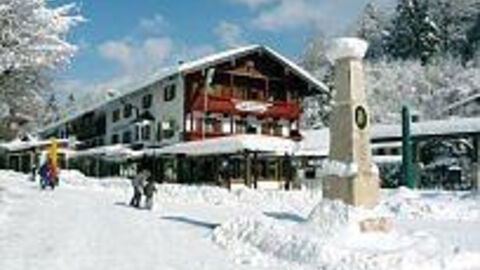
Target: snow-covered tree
[[428, 89], [454, 18], [413, 34], [32, 45], [473, 40], [371, 26], [316, 109], [32, 35]]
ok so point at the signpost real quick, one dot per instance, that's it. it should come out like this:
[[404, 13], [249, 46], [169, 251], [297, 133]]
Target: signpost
[[407, 153]]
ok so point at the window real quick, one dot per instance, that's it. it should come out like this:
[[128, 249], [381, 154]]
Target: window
[[277, 91], [147, 101], [277, 129], [137, 133], [251, 129], [213, 124], [146, 132], [266, 128], [168, 129], [127, 137], [240, 126], [169, 92], [114, 138], [116, 115], [127, 110]]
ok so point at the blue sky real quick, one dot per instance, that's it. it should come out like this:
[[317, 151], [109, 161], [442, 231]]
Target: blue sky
[[123, 38]]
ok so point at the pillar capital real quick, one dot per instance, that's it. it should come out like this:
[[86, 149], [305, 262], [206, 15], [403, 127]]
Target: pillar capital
[[348, 47]]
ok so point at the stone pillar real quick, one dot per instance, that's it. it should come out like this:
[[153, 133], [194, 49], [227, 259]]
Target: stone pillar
[[349, 128]]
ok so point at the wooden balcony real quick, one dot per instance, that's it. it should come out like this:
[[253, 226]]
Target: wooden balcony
[[276, 109]]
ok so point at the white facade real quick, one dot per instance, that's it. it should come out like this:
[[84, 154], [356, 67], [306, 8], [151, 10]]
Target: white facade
[[164, 129]]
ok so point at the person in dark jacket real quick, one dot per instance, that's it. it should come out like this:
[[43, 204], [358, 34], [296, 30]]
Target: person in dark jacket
[[138, 184], [44, 175], [149, 191]]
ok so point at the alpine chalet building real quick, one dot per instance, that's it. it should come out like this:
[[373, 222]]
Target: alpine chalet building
[[248, 90]]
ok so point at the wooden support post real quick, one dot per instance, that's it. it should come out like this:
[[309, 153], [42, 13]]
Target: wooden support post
[[288, 172], [248, 169], [255, 170]]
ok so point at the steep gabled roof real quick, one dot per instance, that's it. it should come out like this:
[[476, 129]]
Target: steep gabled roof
[[199, 64]]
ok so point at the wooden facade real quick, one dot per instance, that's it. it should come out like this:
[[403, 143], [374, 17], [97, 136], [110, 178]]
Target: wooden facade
[[253, 88]]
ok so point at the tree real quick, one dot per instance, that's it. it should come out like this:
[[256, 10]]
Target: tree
[[428, 89], [316, 109], [473, 41], [454, 19], [371, 27], [32, 45], [413, 34]]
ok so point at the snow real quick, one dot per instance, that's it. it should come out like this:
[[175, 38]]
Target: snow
[[19, 145], [329, 167], [230, 144], [346, 48], [115, 152], [317, 142], [85, 224]]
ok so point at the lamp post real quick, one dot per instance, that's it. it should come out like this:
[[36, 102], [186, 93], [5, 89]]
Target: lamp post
[[208, 83]]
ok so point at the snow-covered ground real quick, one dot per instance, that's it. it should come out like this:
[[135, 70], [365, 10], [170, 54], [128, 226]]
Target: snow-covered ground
[[87, 224]]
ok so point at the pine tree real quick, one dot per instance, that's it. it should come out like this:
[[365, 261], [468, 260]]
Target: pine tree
[[473, 40], [455, 19], [413, 33]]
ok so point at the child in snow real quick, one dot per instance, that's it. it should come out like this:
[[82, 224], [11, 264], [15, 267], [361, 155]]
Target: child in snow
[[149, 191]]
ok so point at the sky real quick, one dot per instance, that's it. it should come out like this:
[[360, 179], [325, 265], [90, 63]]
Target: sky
[[122, 39]]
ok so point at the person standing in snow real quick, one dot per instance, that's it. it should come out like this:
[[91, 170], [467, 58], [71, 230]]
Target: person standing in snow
[[138, 183], [44, 175], [149, 191]]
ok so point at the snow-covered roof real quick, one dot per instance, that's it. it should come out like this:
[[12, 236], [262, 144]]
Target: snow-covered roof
[[387, 159], [462, 102], [317, 142], [447, 127], [187, 67], [114, 152], [229, 145], [20, 145]]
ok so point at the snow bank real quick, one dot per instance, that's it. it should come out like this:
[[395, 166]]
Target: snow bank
[[8, 192], [329, 239], [402, 203], [78, 179], [405, 203], [263, 200], [330, 167]]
